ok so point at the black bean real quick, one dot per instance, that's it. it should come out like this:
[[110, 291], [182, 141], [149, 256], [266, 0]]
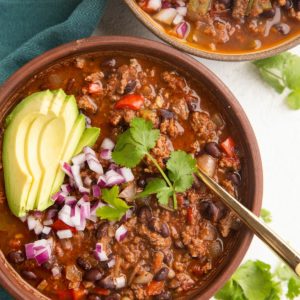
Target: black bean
[[102, 230], [166, 114], [83, 264], [114, 296], [16, 257], [193, 104], [288, 4], [270, 13], [165, 295], [144, 214], [164, 231], [94, 297], [110, 63], [235, 178], [106, 283], [130, 87], [141, 182], [92, 275], [283, 28], [162, 274], [28, 275], [209, 210], [212, 149]]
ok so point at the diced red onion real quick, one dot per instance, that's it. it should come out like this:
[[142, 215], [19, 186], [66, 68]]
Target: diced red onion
[[113, 166], [67, 169], [75, 216], [105, 154], [65, 215], [129, 192], [111, 263], [166, 4], [23, 219], [182, 10], [107, 144], [38, 228], [93, 218], [29, 250], [56, 271], [87, 181], [31, 222], [102, 182], [178, 19], [59, 197], [180, 3], [76, 174], [85, 210], [207, 164], [95, 166], [183, 30], [82, 225], [153, 5], [51, 213], [96, 191], [79, 159], [113, 178], [120, 282], [46, 230], [127, 174], [40, 250], [88, 120], [42, 256], [100, 253], [70, 200], [37, 214], [89, 150], [121, 233], [48, 222], [84, 190], [64, 234], [66, 188], [166, 15]]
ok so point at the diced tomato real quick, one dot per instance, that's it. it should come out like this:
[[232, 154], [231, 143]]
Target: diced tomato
[[228, 146], [60, 225], [64, 295], [102, 292], [189, 216], [132, 101], [155, 288], [78, 294]]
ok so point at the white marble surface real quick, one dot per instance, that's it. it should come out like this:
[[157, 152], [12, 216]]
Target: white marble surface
[[277, 129]]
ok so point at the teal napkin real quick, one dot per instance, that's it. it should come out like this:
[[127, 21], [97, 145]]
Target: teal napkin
[[30, 27]]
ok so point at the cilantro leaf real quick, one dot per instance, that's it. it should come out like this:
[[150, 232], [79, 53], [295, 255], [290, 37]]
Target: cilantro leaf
[[293, 99], [134, 143], [272, 79], [117, 207], [181, 167], [293, 288], [291, 72], [266, 215], [230, 291]]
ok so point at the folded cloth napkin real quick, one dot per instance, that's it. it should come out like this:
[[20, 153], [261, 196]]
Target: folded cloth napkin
[[30, 27]]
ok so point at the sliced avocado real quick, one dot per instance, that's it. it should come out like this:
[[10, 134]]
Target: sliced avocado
[[53, 141], [17, 177], [88, 138], [69, 150], [32, 144]]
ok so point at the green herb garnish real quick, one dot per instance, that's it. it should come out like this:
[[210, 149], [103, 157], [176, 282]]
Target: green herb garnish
[[255, 281], [135, 143], [266, 215], [282, 72], [117, 207]]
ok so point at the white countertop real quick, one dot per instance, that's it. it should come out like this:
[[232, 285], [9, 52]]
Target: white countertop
[[277, 129]]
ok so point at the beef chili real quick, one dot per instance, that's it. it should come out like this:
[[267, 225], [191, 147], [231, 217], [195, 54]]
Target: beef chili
[[151, 250], [227, 26]]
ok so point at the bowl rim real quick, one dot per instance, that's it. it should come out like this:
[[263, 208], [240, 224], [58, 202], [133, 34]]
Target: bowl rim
[[155, 28], [20, 289]]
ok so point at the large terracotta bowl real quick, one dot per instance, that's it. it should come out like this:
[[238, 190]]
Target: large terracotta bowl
[[285, 44], [228, 105]]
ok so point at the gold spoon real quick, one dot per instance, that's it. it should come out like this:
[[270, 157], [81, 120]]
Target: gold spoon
[[267, 235]]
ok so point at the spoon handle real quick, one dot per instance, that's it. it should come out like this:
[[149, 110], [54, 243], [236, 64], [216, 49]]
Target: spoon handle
[[267, 235]]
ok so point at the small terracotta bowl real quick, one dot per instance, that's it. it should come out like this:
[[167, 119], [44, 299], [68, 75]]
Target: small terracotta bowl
[[227, 104], [158, 30]]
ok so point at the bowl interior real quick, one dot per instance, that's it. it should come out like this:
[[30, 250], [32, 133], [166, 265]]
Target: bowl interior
[[157, 29], [228, 105]]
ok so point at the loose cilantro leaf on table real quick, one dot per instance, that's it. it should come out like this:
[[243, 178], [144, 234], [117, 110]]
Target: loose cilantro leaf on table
[[136, 142], [117, 207], [266, 215], [282, 72]]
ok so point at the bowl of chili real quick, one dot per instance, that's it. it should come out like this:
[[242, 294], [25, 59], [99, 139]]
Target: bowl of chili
[[223, 30], [186, 244]]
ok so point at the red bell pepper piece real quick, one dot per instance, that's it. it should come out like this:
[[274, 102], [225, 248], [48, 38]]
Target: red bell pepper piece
[[78, 294], [64, 295], [132, 101], [228, 146], [60, 225], [155, 288], [189, 215], [102, 292]]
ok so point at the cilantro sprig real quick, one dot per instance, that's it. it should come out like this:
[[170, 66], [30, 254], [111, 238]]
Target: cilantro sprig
[[135, 144], [266, 215], [282, 72], [117, 207]]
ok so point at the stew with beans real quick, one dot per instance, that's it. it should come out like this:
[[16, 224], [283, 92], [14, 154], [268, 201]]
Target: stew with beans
[[152, 250], [227, 26]]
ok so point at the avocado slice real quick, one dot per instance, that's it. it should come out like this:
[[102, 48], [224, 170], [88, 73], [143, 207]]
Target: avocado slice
[[88, 138], [53, 141], [69, 150], [17, 176], [32, 144]]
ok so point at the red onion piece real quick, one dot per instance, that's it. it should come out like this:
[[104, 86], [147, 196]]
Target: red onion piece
[[121, 233], [111, 263], [100, 253], [154, 5], [178, 19], [31, 222], [29, 250], [51, 213], [38, 228], [96, 191], [75, 216], [95, 166], [113, 178], [67, 169], [102, 182], [127, 174], [183, 30], [87, 181], [89, 150], [70, 200], [107, 144], [56, 272], [79, 159], [85, 210], [42, 256], [84, 190], [182, 10], [120, 282], [65, 215], [166, 15], [76, 174], [48, 222], [105, 154], [64, 234], [23, 219], [46, 230], [129, 192], [66, 188]]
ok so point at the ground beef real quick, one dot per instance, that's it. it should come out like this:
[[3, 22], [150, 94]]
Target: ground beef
[[230, 163], [230, 221], [171, 128], [87, 104], [179, 106], [185, 281], [174, 80]]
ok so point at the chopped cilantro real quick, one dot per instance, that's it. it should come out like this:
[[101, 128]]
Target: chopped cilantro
[[266, 215], [117, 207], [282, 72]]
